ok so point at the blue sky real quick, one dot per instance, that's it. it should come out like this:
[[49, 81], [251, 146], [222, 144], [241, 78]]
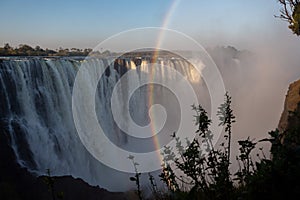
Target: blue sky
[[83, 24]]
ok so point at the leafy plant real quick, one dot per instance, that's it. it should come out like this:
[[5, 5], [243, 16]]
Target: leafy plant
[[136, 177], [49, 181], [201, 171]]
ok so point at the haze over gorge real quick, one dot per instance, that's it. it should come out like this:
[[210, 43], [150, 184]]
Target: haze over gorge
[[99, 99], [37, 108]]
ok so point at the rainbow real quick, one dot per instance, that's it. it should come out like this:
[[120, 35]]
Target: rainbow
[[164, 26]]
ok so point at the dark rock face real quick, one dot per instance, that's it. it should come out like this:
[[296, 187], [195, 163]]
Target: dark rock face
[[78, 189], [17, 183], [290, 105], [289, 124]]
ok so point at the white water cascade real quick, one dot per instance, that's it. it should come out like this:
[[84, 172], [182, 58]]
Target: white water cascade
[[36, 109]]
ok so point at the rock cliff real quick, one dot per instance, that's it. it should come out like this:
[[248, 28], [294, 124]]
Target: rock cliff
[[291, 105], [17, 183]]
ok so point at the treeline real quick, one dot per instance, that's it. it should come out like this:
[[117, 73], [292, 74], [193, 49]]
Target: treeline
[[26, 50]]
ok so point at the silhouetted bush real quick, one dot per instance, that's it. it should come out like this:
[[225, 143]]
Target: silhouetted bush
[[198, 174]]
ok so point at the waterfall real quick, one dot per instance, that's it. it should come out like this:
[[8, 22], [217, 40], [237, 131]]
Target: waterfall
[[36, 109]]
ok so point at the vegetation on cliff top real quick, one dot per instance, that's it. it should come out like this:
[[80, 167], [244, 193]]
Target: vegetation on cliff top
[[26, 50], [290, 12]]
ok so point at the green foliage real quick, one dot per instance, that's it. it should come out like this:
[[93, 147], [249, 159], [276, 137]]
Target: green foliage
[[276, 178], [295, 24], [290, 12], [136, 177], [26, 50], [49, 181], [226, 118], [201, 171], [246, 165], [205, 174], [8, 191]]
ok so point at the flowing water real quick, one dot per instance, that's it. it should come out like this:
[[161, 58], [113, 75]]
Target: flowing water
[[36, 109]]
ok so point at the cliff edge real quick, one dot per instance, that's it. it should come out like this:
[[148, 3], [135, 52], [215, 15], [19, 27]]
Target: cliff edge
[[291, 111], [17, 183]]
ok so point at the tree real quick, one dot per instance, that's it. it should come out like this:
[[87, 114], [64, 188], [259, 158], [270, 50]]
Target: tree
[[290, 12], [7, 50], [7, 46], [25, 50]]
